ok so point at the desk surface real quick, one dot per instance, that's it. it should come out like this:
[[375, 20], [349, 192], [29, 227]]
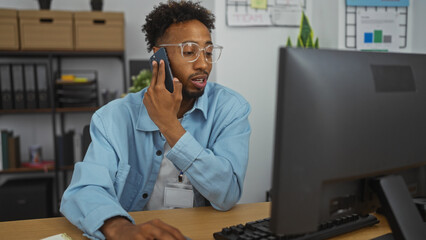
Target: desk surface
[[196, 223]]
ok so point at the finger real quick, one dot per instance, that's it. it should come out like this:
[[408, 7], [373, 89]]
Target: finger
[[145, 99], [169, 229], [177, 86], [154, 73], [154, 230], [161, 74]]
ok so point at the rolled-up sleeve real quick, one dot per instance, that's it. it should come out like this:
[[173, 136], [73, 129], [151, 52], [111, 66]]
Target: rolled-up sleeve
[[91, 197], [217, 171]]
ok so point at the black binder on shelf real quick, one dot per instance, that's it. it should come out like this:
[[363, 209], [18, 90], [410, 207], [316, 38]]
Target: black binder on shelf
[[5, 135], [30, 86], [6, 100], [65, 151], [41, 78], [18, 85]]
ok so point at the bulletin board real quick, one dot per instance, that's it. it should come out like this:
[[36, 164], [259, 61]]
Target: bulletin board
[[376, 24], [275, 13]]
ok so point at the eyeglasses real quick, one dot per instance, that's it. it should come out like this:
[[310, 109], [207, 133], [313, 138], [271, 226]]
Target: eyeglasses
[[191, 51]]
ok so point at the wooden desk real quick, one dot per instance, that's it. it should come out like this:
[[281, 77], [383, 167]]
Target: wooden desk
[[196, 223]]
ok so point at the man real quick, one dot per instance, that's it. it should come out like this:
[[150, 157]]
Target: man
[[150, 145]]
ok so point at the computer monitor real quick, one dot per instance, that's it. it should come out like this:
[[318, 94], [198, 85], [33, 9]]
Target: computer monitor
[[349, 124]]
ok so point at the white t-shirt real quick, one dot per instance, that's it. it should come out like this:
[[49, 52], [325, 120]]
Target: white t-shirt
[[167, 171]]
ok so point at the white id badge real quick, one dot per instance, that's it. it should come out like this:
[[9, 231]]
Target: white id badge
[[178, 195]]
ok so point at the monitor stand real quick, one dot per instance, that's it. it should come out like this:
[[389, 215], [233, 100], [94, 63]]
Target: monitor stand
[[400, 211]]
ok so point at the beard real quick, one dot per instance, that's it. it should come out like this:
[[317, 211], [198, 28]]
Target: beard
[[188, 95], [193, 95]]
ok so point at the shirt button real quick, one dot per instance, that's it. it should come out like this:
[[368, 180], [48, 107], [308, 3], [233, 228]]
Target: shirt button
[[145, 195], [158, 153]]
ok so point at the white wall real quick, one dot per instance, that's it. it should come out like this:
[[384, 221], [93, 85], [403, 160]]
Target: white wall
[[416, 27], [248, 65]]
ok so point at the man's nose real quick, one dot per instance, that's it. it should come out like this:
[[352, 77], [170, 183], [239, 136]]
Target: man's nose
[[201, 62]]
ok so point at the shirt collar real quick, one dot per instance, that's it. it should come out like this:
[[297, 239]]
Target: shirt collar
[[144, 122]]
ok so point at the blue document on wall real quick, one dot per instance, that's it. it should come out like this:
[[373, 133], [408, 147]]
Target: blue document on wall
[[378, 3]]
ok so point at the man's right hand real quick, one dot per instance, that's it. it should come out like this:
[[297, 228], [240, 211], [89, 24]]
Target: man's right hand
[[121, 228]]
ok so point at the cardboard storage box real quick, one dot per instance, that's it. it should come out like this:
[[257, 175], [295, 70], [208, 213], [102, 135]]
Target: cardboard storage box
[[9, 36], [99, 31], [46, 30]]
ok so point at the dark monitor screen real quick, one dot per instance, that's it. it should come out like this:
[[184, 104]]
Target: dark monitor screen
[[343, 120]]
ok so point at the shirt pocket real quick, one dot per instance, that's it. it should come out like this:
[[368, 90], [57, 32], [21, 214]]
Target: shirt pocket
[[131, 189]]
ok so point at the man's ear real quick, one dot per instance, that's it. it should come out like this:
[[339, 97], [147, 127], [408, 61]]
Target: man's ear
[[155, 49]]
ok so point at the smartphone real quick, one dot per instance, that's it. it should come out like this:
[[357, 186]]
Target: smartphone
[[157, 56]]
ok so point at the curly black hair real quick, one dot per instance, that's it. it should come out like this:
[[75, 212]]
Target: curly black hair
[[165, 14]]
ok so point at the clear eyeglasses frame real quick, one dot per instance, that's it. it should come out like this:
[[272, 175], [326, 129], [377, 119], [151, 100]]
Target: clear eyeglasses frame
[[191, 51]]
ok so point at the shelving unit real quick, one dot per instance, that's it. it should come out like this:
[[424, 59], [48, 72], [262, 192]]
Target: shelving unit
[[54, 64], [48, 110]]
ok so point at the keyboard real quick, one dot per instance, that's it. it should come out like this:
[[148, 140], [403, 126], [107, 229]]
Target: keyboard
[[259, 230]]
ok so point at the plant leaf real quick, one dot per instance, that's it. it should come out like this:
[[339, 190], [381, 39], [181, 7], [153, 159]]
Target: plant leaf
[[300, 43], [289, 44]]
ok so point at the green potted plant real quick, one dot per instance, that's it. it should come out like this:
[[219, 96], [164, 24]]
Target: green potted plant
[[306, 35], [141, 81]]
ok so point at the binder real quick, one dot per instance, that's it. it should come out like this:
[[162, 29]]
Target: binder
[[30, 86], [5, 148], [1, 153], [6, 87], [42, 86], [65, 145], [17, 73], [14, 152]]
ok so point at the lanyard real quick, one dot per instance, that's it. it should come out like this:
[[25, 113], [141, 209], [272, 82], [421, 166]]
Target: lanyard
[[180, 177]]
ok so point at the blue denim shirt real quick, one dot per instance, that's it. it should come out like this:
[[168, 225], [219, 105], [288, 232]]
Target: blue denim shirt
[[121, 165]]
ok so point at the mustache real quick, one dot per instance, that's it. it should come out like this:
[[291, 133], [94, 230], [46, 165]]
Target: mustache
[[198, 73]]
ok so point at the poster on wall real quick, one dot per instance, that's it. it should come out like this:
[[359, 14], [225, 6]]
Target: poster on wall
[[380, 25], [377, 30], [280, 13]]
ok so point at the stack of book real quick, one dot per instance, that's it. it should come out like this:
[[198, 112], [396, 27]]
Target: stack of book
[[9, 150]]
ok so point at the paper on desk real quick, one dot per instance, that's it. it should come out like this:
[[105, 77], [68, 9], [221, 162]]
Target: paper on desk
[[62, 236]]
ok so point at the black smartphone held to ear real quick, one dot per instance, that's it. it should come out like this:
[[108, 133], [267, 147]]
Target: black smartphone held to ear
[[157, 56]]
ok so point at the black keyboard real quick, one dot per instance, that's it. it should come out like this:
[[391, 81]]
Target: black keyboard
[[259, 230]]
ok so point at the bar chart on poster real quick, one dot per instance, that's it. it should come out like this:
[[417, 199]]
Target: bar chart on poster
[[376, 25], [377, 30], [278, 13]]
